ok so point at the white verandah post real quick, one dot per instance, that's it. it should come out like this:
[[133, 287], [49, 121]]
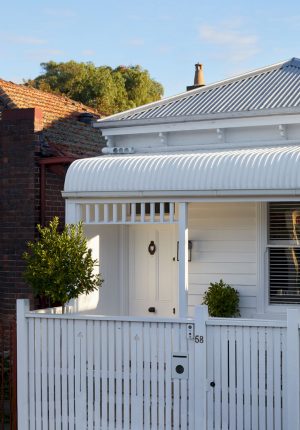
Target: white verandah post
[[183, 280], [72, 212]]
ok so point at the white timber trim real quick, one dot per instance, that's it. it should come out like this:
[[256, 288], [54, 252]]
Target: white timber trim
[[186, 195], [190, 125], [293, 369], [201, 317], [183, 281], [220, 145], [117, 213], [124, 267], [261, 257], [72, 212], [22, 363]]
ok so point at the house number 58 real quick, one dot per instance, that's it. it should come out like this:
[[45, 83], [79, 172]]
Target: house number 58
[[199, 339]]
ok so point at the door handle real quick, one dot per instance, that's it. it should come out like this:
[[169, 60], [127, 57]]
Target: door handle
[[152, 309]]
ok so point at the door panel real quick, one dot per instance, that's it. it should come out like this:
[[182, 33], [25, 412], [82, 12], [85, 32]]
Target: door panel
[[152, 278]]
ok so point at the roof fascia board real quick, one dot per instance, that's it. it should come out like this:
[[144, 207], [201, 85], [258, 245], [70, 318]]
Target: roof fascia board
[[183, 195], [232, 122], [192, 118]]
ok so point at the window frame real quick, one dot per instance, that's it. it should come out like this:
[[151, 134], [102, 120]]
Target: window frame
[[265, 258]]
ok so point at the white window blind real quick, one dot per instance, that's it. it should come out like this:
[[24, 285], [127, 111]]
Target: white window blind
[[284, 253]]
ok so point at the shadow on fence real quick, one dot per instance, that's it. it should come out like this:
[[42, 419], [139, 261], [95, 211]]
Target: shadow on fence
[[8, 377]]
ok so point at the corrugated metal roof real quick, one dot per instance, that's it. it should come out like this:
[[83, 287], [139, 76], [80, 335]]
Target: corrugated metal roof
[[273, 87], [241, 169]]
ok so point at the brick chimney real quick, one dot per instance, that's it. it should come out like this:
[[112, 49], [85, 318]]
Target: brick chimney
[[198, 79]]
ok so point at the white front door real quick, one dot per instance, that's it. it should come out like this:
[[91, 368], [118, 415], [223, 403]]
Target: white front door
[[153, 285]]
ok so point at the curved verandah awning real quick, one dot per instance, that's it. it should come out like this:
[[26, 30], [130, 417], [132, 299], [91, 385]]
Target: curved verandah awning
[[252, 171], [102, 182]]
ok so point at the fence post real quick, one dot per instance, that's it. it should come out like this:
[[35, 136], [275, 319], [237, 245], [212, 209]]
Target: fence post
[[22, 364], [201, 316], [292, 369]]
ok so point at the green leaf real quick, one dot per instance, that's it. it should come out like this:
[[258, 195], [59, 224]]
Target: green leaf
[[60, 265], [222, 300]]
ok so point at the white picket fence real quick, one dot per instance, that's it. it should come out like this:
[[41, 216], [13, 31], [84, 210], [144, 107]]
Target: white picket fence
[[119, 373], [246, 364]]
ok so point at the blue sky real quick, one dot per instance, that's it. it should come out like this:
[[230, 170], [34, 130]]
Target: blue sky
[[166, 37]]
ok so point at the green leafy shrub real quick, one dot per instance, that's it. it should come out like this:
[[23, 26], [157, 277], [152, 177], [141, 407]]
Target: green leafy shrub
[[60, 266], [222, 300]]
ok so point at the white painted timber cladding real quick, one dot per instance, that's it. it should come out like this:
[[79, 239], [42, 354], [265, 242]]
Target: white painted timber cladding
[[254, 169], [224, 247]]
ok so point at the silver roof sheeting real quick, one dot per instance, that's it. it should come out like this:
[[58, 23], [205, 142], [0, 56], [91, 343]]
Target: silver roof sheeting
[[256, 169], [273, 87]]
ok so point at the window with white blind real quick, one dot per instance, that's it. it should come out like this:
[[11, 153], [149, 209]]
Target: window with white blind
[[284, 252]]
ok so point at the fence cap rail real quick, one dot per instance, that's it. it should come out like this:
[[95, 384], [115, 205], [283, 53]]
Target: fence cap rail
[[242, 322], [77, 316]]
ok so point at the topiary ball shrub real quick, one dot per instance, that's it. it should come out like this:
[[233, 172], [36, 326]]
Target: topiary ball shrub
[[222, 300]]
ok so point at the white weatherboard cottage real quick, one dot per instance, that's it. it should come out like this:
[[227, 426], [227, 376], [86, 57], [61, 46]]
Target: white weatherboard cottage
[[194, 188], [217, 166]]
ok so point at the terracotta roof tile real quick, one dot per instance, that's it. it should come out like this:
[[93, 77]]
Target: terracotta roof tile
[[62, 130]]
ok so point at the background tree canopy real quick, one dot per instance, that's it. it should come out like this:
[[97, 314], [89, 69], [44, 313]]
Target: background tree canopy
[[102, 88]]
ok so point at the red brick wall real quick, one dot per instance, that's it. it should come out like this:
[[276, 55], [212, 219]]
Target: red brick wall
[[17, 202], [54, 203], [20, 199]]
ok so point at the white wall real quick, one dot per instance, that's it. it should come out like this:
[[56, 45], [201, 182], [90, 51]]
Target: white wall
[[105, 243], [224, 237], [233, 136], [224, 247]]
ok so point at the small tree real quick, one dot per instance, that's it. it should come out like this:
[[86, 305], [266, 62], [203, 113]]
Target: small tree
[[60, 265]]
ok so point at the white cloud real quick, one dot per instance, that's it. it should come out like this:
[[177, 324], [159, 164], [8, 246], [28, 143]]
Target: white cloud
[[136, 42], [44, 54], [164, 49], [26, 40], [232, 44], [88, 52], [62, 13]]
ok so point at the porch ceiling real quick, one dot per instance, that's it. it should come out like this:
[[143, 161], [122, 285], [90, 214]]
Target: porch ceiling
[[256, 170]]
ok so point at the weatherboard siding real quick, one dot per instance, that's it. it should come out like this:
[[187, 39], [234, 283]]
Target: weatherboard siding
[[224, 247], [224, 237]]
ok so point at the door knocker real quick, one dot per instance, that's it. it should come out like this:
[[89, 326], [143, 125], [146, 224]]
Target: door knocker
[[152, 248]]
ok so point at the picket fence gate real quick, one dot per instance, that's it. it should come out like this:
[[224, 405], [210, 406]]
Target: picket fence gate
[[122, 373]]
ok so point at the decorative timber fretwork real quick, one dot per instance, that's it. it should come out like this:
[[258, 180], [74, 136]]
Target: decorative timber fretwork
[[128, 213]]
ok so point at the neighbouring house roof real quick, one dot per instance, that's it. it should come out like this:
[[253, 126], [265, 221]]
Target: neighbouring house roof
[[273, 87], [253, 171], [62, 130]]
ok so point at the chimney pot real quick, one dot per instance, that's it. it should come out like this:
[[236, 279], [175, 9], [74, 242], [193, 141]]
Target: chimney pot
[[198, 79]]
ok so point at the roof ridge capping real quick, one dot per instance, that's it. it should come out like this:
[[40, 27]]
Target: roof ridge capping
[[293, 62]]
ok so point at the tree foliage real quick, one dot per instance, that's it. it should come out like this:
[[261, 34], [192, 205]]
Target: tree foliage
[[60, 266], [222, 300], [102, 88]]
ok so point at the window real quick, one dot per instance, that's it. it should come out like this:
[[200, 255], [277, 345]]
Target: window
[[284, 252]]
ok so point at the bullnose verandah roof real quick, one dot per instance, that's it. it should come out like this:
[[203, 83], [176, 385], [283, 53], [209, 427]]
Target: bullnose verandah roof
[[256, 170]]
